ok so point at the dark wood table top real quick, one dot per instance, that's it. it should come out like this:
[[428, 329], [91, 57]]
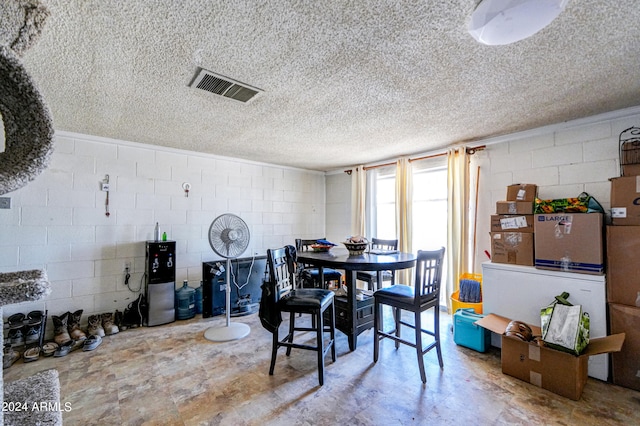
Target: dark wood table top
[[340, 258]]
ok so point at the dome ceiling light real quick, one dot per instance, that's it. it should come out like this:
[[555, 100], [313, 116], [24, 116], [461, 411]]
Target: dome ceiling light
[[499, 22]]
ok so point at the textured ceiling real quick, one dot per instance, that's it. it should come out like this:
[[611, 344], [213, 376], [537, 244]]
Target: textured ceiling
[[345, 82]]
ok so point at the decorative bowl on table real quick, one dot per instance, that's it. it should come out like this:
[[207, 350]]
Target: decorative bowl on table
[[321, 247], [355, 249]]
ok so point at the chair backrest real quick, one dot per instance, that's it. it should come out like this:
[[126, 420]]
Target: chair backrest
[[428, 275], [305, 245], [281, 273], [377, 243]]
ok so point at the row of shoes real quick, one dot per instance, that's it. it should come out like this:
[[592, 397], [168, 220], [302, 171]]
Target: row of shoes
[[67, 326], [11, 355], [26, 331], [68, 336]]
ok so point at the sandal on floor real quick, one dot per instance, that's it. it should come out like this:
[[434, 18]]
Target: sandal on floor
[[91, 342], [64, 349], [31, 354], [49, 348], [9, 357]]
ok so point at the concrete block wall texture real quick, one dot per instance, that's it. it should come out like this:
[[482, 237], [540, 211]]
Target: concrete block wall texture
[[58, 222], [563, 160], [338, 207]]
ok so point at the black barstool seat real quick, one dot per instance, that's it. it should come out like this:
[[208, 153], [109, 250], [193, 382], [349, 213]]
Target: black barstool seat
[[311, 276], [371, 278], [423, 295], [281, 295], [313, 298]]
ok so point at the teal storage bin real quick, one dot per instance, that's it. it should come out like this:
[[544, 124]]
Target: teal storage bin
[[468, 334]]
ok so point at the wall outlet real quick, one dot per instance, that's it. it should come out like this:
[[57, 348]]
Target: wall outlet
[[5, 202]]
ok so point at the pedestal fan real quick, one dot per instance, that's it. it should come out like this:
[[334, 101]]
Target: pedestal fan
[[228, 237]]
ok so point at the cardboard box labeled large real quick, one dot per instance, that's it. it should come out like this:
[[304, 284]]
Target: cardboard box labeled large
[[625, 200], [569, 242], [553, 370], [514, 207], [515, 248], [522, 192], [512, 223], [626, 363], [623, 268]]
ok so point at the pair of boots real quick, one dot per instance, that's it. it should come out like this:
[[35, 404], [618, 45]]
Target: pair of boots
[[101, 325], [66, 327]]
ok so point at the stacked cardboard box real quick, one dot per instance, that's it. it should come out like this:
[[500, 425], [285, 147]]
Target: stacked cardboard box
[[623, 277], [625, 200], [570, 242], [512, 226], [576, 242]]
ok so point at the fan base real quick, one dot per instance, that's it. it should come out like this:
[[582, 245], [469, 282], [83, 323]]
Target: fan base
[[233, 331]]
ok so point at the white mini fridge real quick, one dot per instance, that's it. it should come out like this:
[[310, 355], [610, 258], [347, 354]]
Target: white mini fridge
[[519, 292]]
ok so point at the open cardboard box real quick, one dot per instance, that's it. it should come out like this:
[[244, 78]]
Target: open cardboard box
[[551, 369]]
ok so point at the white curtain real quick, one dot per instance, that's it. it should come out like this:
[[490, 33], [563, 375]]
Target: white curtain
[[371, 217], [358, 201], [458, 253], [404, 204]]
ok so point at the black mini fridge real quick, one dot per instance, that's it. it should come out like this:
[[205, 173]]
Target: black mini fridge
[[161, 282]]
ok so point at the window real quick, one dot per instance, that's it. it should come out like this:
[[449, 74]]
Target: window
[[429, 205], [386, 207], [430, 214], [429, 209]]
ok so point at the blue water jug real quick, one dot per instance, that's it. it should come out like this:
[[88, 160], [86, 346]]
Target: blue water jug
[[199, 299], [185, 302]]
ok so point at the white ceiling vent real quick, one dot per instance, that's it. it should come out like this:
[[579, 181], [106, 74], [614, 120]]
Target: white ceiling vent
[[224, 86]]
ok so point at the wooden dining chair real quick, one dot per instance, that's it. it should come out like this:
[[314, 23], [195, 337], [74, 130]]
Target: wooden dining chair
[[310, 275], [423, 295], [285, 297], [373, 279]]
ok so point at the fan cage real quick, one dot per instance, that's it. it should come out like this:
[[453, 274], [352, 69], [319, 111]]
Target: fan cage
[[229, 235]]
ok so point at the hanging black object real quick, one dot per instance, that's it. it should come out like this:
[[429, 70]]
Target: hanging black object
[[629, 146]]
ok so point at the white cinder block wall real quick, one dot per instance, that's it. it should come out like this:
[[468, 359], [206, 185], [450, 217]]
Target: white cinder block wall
[[563, 160], [338, 207], [58, 221]]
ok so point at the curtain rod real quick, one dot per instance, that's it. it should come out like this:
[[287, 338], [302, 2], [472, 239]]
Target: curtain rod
[[470, 151]]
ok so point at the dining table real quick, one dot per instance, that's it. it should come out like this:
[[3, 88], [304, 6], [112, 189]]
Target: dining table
[[355, 314]]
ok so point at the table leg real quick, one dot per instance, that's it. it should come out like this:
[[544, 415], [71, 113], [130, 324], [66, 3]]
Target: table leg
[[350, 281]]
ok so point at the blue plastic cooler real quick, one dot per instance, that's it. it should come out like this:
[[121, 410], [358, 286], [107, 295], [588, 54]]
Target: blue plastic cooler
[[468, 334]]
